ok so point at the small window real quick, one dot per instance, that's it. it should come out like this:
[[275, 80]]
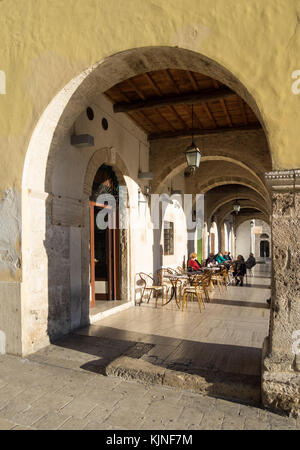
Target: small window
[[104, 124], [168, 238], [90, 113]]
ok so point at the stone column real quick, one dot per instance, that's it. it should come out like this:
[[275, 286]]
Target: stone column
[[281, 352]]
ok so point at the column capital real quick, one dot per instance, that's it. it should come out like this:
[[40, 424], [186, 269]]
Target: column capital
[[283, 180]]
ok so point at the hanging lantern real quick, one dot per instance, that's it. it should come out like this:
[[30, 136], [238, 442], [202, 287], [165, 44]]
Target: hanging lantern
[[192, 153], [193, 156], [236, 207]]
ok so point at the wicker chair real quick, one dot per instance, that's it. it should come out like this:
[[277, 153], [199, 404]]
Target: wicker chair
[[196, 289], [162, 280]]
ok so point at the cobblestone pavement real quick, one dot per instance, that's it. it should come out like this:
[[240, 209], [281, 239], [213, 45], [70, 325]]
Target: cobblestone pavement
[[43, 395]]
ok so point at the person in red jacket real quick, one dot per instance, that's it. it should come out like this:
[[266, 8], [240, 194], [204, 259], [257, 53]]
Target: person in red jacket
[[193, 264]]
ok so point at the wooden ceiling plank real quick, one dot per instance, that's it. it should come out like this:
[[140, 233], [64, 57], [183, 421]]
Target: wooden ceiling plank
[[185, 125], [193, 81], [179, 92], [153, 124], [243, 110], [203, 132], [127, 100], [141, 123], [164, 118], [153, 85], [136, 89], [206, 109], [173, 82], [226, 112]]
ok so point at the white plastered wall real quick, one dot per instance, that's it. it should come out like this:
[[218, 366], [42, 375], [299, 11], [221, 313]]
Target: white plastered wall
[[55, 235]]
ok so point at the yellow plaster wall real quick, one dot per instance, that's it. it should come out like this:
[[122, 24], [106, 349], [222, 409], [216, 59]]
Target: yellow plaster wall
[[44, 44]]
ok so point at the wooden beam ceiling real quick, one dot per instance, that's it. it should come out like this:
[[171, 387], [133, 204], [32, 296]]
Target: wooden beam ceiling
[[160, 103], [187, 99]]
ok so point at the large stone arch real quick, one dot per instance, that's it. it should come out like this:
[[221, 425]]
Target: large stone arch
[[211, 184], [256, 215], [52, 131], [75, 97], [226, 209], [230, 198], [178, 165]]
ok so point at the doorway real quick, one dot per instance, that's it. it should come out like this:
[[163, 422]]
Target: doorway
[[104, 237], [264, 249]]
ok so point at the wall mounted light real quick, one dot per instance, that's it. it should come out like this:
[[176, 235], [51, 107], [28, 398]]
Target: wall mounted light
[[82, 140], [145, 175]]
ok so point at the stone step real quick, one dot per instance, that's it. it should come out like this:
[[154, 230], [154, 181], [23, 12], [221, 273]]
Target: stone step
[[242, 388]]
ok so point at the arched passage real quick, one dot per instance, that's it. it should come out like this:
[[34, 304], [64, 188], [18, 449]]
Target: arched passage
[[42, 185]]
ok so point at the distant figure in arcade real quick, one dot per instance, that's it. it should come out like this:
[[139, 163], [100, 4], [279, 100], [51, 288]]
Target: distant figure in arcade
[[251, 262], [239, 270], [193, 264], [210, 261], [227, 256], [220, 258]]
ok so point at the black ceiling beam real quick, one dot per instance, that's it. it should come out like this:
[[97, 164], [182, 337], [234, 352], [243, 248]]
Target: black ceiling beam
[[182, 99]]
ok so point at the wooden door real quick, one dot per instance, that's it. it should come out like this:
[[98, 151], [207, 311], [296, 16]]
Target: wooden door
[[105, 261]]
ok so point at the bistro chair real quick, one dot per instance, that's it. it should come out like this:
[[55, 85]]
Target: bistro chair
[[217, 281], [224, 278], [148, 285], [163, 280], [195, 290]]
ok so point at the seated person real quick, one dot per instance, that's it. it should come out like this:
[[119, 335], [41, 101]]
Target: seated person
[[193, 264], [251, 261], [220, 258], [210, 261], [239, 270], [227, 256]]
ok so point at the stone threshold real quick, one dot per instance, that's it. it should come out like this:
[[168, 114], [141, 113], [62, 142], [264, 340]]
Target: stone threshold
[[110, 311], [235, 387]]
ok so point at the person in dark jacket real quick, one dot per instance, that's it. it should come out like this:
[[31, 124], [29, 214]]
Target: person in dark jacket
[[227, 256], [251, 261], [239, 270], [210, 261]]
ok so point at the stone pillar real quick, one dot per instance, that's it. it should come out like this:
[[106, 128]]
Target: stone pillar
[[281, 352], [222, 244]]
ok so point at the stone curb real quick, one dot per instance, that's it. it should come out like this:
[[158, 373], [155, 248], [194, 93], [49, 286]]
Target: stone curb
[[218, 384]]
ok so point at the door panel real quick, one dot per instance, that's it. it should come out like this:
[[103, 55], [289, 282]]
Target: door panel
[[105, 261]]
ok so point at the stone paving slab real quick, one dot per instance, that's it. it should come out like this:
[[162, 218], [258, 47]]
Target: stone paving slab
[[122, 405]]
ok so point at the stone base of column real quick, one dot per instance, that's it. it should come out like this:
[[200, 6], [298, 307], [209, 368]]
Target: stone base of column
[[280, 383]]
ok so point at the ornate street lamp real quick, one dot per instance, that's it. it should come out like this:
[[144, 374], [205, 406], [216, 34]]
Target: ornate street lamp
[[236, 207], [192, 153]]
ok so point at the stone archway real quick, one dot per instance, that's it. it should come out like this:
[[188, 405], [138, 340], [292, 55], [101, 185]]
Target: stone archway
[[39, 176], [44, 151]]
